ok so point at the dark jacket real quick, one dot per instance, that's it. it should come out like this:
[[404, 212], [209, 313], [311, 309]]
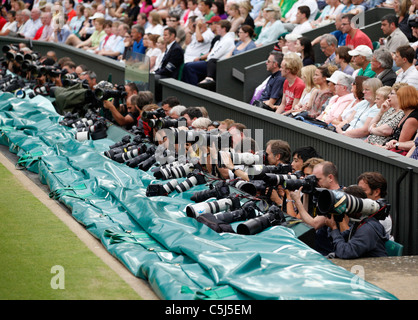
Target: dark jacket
[[388, 77], [171, 63], [368, 240]]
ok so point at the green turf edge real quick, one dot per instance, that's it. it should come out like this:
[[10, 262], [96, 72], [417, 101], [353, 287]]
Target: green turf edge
[[39, 254]]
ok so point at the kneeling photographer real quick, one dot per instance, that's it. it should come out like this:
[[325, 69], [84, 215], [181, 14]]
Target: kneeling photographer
[[126, 121], [366, 237], [326, 174]]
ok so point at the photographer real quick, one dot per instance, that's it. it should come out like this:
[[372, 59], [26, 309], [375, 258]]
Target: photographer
[[326, 174], [126, 121], [363, 239], [375, 186]]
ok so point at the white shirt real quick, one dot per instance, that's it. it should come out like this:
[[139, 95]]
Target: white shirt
[[31, 28], [312, 4], [302, 28], [410, 76], [195, 48], [223, 46], [157, 29]]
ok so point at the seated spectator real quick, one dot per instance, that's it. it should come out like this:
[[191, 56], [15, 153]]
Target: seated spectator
[[173, 20], [319, 95], [150, 42], [245, 42], [328, 44], [304, 47], [245, 8], [401, 8], [162, 46], [348, 6], [394, 36], [384, 123], [77, 21], [343, 59], [193, 72], [11, 25], [348, 114], [340, 101], [94, 40], [270, 91], [381, 64], [359, 125], [404, 59], [200, 40], [204, 7], [234, 16], [362, 55], [359, 6], [33, 24], [46, 30], [402, 137], [307, 73], [218, 8], [272, 28], [329, 13], [155, 24], [302, 21], [290, 17], [355, 36], [293, 85]]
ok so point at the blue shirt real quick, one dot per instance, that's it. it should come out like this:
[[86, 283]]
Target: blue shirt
[[138, 47], [340, 37]]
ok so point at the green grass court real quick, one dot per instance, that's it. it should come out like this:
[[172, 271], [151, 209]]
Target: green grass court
[[34, 240]]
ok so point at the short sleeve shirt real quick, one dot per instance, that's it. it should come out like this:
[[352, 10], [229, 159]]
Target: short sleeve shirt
[[293, 92]]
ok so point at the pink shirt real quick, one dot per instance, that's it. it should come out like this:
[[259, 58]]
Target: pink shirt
[[337, 106]]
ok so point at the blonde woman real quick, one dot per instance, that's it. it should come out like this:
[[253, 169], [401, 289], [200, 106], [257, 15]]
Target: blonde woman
[[150, 41], [272, 28], [155, 24], [308, 73]]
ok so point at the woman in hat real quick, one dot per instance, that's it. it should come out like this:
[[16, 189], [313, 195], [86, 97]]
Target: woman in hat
[[273, 27]]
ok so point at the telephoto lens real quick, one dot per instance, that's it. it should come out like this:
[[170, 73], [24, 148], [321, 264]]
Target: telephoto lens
[[178, 171], [274, 216], [248, 211], [134, 152], [258, 172], [246, 158], [219, 191], [161, 190], [147, 164], [195, 210], [246, 186], [193, 179], [275, 180], [339, 203]]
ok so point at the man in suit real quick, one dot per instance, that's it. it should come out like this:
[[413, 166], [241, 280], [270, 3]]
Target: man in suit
[[172, 60], [381, 63]]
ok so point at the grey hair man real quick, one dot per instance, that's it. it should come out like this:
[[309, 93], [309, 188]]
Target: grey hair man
[[381, 64], [329, 44]]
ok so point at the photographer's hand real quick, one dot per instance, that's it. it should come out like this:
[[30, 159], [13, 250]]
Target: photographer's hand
[[330, 222]]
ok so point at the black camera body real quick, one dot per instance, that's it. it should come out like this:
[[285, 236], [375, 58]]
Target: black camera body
[[308, 184], [273, 217]]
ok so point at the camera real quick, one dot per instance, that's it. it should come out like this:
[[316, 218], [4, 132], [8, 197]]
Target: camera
[[219, 191], [338, 203], [161, 189], [244, 186], [273, 217], [247, 211], [144, 161], [275, 180], [308, 184], [195, 210], [167, 122], [194, 178], [158, 113], [173, 171], [259, 172], [95, 131]]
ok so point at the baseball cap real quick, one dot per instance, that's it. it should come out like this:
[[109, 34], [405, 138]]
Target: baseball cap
[[214, 19], [361, 50], [335, 76], [97, 15]]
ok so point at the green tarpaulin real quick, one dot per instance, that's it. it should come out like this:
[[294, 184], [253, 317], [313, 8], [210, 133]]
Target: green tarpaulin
[[152, 236]]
